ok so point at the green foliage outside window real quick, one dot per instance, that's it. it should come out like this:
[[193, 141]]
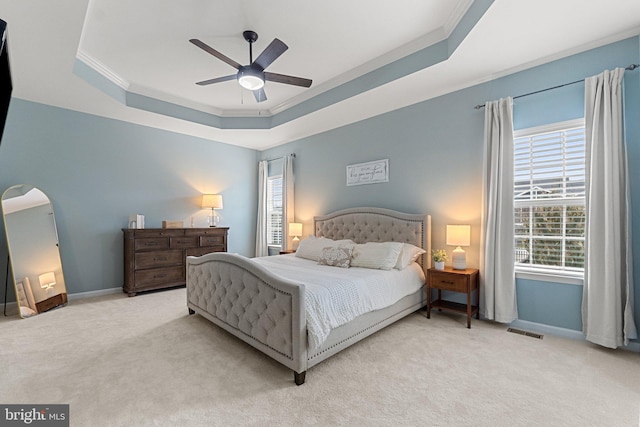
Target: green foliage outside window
[[541, 231]]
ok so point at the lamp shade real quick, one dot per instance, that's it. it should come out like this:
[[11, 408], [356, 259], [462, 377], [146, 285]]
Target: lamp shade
[[295, 229], [47, 280], [458, 235], [213, 201]]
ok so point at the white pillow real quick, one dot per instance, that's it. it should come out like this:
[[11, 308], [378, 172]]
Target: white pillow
[[382, 256], [311, 247], [408, 255], [26, 311]]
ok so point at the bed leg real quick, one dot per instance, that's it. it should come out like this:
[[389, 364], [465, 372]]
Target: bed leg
[[299, 377], [191, 311]]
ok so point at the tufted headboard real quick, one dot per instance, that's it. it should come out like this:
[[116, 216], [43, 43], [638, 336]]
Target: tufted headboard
[[377, 225]]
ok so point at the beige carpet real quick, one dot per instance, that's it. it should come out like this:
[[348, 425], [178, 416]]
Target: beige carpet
[[143, 361]]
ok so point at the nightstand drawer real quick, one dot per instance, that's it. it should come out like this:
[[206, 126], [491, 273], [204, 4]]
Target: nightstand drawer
[[52, 302], [449, 282]]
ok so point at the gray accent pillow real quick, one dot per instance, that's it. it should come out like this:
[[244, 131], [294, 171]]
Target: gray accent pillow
[[336, 256]]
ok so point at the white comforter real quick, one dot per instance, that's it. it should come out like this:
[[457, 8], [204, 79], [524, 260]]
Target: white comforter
[[335, 296]]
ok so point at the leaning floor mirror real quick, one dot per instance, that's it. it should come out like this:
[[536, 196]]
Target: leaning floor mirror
[[34, 254]]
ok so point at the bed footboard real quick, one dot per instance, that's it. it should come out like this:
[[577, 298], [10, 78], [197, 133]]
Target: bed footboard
[[246, 300]]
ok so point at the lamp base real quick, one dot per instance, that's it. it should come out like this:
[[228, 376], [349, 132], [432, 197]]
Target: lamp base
[[213, 219], [459, 259]]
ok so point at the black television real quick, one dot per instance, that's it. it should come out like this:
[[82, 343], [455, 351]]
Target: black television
[[5, 77]]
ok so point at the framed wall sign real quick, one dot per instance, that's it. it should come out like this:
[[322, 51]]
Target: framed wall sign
[[368, 173]]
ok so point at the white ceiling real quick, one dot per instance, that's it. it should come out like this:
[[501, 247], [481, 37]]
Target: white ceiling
[[21, 197], [142, 47]]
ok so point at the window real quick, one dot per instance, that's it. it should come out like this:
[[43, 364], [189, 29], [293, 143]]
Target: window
[[274, 210], [549, 198]]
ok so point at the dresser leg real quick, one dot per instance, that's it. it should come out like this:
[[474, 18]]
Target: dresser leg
[[131, 294]]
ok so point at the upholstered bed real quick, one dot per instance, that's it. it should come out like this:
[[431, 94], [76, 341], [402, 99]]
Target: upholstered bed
[[268, 311], [26, 301]]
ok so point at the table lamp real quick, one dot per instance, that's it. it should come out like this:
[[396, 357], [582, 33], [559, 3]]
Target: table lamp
[[213, 201], [295, 231], [459, 235], [47, 282]]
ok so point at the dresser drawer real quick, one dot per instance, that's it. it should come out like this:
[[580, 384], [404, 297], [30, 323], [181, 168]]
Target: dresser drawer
[[159, 276], [204, 251], [449, 282], [141, 233], [158, 259], [210, 231], [183, 242], [213, 240], [159, 243]]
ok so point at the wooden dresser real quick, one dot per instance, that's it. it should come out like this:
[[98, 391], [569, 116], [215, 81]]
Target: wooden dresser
[[155, 258]]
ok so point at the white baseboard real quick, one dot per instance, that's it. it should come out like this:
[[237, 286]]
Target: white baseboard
[[562, 332], [90, 294]]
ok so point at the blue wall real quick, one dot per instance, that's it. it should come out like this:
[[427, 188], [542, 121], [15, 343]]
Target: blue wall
[[435, 155], [98, 171]]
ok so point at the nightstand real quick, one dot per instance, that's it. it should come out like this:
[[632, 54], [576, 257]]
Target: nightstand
[[52, 302], [464, 281]]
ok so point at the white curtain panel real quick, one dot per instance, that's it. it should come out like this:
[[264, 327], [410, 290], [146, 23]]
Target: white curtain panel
[[497, 252], [262, 248], [288, 205], [607, 300]]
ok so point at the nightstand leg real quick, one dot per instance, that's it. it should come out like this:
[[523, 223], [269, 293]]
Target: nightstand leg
[[468, 307]]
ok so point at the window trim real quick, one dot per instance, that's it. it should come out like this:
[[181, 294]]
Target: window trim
[[540, 273]]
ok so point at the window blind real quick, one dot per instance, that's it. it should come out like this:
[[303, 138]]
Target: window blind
[[274, 210], [549, 197]]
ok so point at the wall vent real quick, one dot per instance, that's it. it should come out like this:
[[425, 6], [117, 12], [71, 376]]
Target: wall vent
[[525, 333]]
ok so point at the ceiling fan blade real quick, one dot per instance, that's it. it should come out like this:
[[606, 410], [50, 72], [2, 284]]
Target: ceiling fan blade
[[290, 80], [216, 80], [270, 54], [260, 95], [215, 53]]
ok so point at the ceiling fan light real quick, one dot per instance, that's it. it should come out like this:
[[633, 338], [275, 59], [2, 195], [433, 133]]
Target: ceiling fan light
[[250, 79]]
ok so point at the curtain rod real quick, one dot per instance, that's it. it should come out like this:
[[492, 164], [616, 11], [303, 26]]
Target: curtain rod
[[281, 157], [629, 68]]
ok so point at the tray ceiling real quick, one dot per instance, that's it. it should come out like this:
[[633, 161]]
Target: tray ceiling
[[132, 60]]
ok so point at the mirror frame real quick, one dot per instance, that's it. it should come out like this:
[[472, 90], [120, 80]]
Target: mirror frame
[[44, 288]]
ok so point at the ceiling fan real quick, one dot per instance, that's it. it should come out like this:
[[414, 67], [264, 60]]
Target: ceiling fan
[[253, 76]]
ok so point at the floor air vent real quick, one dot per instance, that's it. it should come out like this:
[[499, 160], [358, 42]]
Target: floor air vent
[[526, 333]]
